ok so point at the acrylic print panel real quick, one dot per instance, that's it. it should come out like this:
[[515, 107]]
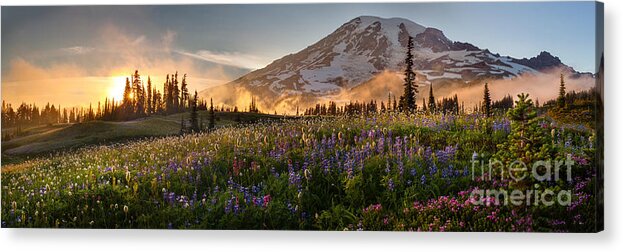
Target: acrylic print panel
[[395, 117]]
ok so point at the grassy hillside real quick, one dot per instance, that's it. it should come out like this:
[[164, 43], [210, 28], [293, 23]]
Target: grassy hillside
[[383, 172], [42, 140]]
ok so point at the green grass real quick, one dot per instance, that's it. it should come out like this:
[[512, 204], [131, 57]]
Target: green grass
[[382, 172], [43, 140]]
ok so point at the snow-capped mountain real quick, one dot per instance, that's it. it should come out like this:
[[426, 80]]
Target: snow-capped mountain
[[366, 46]]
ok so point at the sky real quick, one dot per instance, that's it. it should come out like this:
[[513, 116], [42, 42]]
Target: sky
[[78, 54]]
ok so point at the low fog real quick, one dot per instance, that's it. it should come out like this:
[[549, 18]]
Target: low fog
[[541, 87]]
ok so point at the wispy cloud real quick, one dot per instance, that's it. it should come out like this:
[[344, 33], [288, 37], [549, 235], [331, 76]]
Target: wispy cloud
[[236, 59], [77, 50], [138, 40]]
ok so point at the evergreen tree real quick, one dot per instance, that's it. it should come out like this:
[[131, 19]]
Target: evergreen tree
[[504, 104], [127, 103], [185, 99], [150, 104], [486, 102], [389, 101], [168, 97], [65, 116], [395, 106], [142, 101], [156, 100], [194, 122], [90, 115], [105, 115], [561, 93], [139, 104], [176, 93], [253, 107], [431, 100], [528, 142], [211, 122], [407, 100]]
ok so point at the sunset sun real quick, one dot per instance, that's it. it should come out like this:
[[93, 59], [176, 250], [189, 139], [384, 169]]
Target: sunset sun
[[116, 89]]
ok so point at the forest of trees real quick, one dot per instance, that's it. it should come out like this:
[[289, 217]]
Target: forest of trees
[[445, 105], [27, 114], [140, 99], [573, 99]]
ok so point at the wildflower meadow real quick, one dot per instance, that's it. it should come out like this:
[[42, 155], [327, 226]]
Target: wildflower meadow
[[387, 171]]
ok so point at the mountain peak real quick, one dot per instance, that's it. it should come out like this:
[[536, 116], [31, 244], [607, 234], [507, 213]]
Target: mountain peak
[[363, 22], [393, 20], [545, 55], [367, 47], [542, 61], [434, 39]]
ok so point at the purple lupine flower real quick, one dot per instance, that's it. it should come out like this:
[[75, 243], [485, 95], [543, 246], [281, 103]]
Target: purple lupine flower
[[325, 166], [390, 185], [445, 155], [255, 189], [444, 173], [228, 206], [433, 169]]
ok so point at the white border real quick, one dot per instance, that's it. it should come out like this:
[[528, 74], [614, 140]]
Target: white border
[[165, 240]]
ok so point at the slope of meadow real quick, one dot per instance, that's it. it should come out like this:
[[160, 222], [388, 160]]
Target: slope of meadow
[[380, 172], [41, 140]]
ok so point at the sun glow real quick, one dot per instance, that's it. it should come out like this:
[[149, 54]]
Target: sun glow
[[117, 88]]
